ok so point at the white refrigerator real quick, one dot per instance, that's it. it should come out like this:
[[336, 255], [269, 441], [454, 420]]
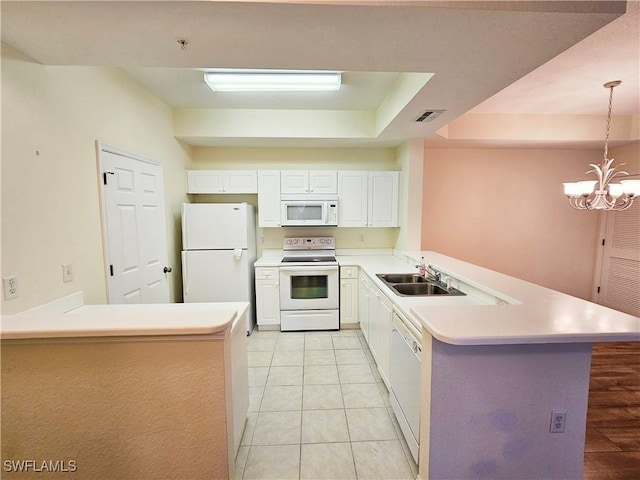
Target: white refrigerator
[[218, 253]]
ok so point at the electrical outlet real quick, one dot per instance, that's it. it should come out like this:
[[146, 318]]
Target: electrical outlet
[[361, 238], [67, 272], [558, 419], [10, 287]]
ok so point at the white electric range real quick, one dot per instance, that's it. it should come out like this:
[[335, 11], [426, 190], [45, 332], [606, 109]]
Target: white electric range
[[309, 287]]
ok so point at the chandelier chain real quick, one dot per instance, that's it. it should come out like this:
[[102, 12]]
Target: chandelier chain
[[606, 138]]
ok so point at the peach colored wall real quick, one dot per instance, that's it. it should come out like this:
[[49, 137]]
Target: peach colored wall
[[126, 409], [504, 209], [629, 155]]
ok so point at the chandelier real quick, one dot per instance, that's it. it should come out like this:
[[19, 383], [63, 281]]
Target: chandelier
[[601, 194]]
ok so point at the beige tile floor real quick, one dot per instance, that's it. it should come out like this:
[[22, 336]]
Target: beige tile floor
[[319, 410]]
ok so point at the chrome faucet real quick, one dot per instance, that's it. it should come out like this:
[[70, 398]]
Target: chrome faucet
[[432, 272]]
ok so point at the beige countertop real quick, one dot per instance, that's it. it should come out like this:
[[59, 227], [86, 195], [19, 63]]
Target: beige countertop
[[498, 309], [124, 321]]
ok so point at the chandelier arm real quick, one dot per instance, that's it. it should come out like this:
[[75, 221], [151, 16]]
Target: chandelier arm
[[626, 202]]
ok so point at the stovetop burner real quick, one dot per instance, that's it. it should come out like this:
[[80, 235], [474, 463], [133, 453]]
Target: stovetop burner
[[308, 259]]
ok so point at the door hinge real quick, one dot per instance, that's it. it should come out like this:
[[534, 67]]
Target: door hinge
[[104, 176], [111, 270]]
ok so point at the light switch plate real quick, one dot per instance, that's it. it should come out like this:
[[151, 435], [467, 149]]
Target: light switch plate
[[67, 273]]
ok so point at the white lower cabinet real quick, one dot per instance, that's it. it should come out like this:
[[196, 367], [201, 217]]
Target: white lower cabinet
[[364, 292], [376, 312], [267, 297], [348, 297], [384, 314]]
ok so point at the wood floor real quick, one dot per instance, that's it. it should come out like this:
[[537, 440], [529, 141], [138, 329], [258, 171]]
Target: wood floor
[[612, 450]]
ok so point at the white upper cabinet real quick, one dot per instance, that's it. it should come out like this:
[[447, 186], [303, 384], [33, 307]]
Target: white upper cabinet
[[383, 199], [222, 181], [305, 181], [268, 198], [368, 199], [323, 181], [352, 199]]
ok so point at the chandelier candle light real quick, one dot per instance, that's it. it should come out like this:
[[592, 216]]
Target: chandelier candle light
[[607, 195]]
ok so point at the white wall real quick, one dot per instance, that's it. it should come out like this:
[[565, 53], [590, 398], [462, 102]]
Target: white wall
[[301, 159], [52, 117], [411, 159]]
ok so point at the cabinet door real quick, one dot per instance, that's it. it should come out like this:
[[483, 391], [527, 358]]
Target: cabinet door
[[267, 296], [374, 327], [363, 307], [294, 181], [221, 181], [352, 199], [383, 199], [269, 198], [323, 181], [384, 317], [240, 181], [348, 301], [204, 181]]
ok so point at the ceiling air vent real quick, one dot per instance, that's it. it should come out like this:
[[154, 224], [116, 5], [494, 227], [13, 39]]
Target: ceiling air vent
[[428, 116]]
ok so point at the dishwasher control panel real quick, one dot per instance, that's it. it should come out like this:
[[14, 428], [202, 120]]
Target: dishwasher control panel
[[411, 341]]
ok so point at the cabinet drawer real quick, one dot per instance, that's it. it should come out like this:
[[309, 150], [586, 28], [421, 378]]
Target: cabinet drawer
[[348, 272], [269, 273]]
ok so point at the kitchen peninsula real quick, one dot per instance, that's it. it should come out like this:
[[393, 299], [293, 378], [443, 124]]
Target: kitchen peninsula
[[496, 364], [126, 391]]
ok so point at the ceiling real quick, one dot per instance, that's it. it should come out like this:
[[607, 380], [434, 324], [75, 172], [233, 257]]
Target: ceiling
[[513, 57]]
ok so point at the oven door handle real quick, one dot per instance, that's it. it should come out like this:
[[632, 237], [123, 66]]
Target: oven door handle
[[309, 271]]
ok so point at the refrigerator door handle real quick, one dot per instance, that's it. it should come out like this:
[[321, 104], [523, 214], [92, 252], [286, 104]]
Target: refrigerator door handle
[[185, 276]]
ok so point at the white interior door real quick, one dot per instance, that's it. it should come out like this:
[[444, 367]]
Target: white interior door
[[619, 286], [133, 228]]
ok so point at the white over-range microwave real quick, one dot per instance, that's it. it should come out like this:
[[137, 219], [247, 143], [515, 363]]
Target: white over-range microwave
[[297, 211]]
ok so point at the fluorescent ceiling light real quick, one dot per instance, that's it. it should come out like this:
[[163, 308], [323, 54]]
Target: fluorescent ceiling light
[[272, 81]]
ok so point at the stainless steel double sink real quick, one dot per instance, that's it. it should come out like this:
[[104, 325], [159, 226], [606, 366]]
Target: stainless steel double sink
[[413, 285]]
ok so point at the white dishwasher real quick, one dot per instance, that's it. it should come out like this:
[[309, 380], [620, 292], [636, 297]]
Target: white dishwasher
[[404, 376]]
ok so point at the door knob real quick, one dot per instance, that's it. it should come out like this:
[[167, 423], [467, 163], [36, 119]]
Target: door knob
[[167, 270]]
